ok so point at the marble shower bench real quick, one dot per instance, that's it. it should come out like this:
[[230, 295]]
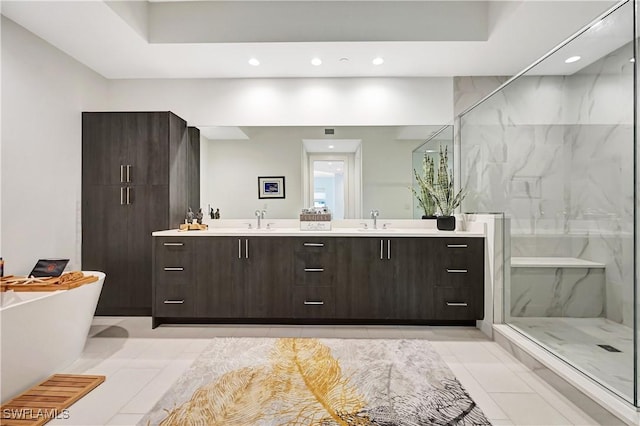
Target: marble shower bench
[[557, 287]]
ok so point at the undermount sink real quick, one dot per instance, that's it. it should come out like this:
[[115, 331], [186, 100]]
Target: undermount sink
[[378, 230]]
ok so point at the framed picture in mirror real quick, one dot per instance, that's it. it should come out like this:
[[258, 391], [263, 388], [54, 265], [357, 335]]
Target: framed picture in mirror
[[271, 187]]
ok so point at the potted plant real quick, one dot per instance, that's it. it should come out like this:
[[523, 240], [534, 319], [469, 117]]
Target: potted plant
[[443, 194], [425, 181]]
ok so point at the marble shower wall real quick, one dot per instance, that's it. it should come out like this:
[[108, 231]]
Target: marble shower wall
[[555, 153]]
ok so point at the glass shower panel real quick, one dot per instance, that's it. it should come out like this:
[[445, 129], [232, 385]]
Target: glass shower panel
[[636, 293], [554, 150]]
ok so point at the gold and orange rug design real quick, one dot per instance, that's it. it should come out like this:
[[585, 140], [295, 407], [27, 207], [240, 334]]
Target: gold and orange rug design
[[244, 381]]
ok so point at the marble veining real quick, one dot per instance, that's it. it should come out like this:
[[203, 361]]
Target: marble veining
[[557, 292]]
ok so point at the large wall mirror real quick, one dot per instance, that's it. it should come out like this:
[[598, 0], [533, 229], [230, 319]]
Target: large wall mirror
[[349, 169]]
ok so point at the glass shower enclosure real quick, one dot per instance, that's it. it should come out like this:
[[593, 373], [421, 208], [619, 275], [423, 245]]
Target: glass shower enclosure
[[554, 148]]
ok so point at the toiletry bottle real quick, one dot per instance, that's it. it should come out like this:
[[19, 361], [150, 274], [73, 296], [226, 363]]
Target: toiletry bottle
[[1, 267]]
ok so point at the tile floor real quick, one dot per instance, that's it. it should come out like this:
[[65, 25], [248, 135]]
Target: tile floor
[[142, 364], [577, 339]]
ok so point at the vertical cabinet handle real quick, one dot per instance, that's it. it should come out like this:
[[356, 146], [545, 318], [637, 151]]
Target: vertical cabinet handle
[[128, 172], [121, 196], [239, 249], [388, 249], [246, 249], [121, 173], [128, 195], [381, 249]]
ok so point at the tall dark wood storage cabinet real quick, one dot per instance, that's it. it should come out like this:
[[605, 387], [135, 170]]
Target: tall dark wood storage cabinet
[[135, 181], [193, 159]]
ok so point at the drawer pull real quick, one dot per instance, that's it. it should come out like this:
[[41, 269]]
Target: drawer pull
[[173, 269], [457, 271], [457, 304], [314, 269], [174, 244], [313, 244], [457, 245], [309, 302], [174, 302]]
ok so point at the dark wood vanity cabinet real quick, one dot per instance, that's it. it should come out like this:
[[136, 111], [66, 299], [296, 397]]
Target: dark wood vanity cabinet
[[230, 277], [134, 182], [319, 278], [315, 272], [459, 268], [387, 278]]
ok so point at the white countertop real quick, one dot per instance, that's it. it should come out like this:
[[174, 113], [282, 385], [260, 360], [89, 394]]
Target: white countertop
[[335, 232]]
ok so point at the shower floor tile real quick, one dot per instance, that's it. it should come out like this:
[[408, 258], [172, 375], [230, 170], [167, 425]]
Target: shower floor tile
[[576, 340]]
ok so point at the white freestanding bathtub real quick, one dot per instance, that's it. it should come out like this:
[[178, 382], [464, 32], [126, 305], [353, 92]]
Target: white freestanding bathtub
[[42, 332]]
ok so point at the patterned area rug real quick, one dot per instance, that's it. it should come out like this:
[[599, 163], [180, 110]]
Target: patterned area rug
[[245, 381]]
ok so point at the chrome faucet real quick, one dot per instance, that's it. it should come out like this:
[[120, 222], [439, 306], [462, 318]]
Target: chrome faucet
[[260, 215], [374, 216]]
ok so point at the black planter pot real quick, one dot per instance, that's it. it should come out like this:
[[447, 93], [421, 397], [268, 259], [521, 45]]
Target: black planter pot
[[446, 223], [429, 217]]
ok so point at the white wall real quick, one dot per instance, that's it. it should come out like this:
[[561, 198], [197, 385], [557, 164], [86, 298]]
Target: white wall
[[292, 102], [44, 92]]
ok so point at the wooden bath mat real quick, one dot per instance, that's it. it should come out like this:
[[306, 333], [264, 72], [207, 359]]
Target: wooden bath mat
[[49, 399]]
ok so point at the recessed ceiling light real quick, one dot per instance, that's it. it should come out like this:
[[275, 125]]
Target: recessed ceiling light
[[316, 61], [254, 62], [378, 61], [331, 147], [632, 60], [572, 59]]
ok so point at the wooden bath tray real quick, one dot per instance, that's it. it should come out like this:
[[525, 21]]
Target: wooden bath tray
[[49, 399], [64, 282]]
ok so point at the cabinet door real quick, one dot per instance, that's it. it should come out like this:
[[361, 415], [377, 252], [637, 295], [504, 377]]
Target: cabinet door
[[104, 148], [413, 277], [267, 272], [147, 134], [218, 275], [104, 245], [365, 285]]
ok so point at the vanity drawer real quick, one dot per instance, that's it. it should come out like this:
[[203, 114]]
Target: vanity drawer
[[465, 250], [458, 303], [459, 274], [173, 273], [315, 245], [314, 269], [174, 300], [314, 302], [172, 249]]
